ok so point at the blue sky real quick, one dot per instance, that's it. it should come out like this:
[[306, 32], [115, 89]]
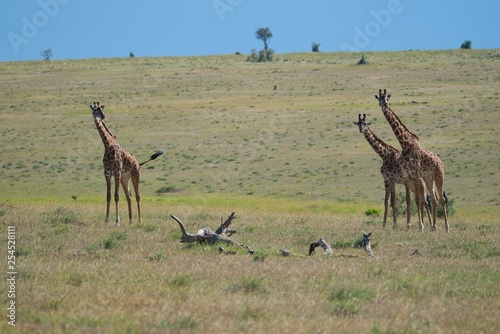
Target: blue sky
[[150, 28]]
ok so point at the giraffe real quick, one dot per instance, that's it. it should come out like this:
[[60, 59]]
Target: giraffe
[[120, 165], [417, 162], [390, 169]]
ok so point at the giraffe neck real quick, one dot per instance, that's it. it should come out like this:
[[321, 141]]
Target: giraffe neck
[[378, 145], [107, 138], [405, 137]]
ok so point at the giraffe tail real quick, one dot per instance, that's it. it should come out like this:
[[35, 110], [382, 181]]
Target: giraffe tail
[[154, 156]]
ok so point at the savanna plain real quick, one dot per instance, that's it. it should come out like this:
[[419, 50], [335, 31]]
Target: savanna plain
[[274, 142]]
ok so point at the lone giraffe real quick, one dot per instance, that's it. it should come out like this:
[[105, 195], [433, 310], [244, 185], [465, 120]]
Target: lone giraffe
[[390, 169], [417, 162], [119, 164]]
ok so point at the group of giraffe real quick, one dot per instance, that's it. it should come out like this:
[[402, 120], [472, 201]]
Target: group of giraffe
[[120, 165], [415, 167]]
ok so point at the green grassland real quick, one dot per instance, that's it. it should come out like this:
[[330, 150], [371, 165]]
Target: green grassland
[[291, 164]]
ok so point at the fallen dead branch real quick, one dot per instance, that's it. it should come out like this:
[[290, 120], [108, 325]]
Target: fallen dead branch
[[326, 247], [207, 235]]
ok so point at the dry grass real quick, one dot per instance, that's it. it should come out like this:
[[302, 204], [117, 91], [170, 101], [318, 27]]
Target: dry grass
[[77, 275], [288, 161]]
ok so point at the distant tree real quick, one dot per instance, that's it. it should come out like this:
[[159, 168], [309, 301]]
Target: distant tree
[[131, 55], [46, 54], [315, 47], [265, 35], [467, 44]]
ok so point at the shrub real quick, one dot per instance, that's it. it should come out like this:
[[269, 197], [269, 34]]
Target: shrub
[[266, 55], [167, 189], [253, 56], [315, 47], [372, 212], [362, 61], [262, 56], [63, 216], [401, 207], [113, 240], [467, 44]]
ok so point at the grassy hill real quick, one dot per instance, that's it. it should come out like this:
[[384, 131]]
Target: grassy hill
[[227, 131], [288, 160]]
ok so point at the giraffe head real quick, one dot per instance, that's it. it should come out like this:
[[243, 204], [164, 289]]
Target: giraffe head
[[383, 98], [97, 110], [361, 123]]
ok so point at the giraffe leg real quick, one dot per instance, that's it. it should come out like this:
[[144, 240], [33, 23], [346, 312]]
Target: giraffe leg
[[126, 188], [434, 203], [135, 183], [393, 205], [419, 198], [441, 195], [444, 202], [117, 197], [428, 207], [386, 203], [108, 195], [408, 206], [431, 201], [434, 211]]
